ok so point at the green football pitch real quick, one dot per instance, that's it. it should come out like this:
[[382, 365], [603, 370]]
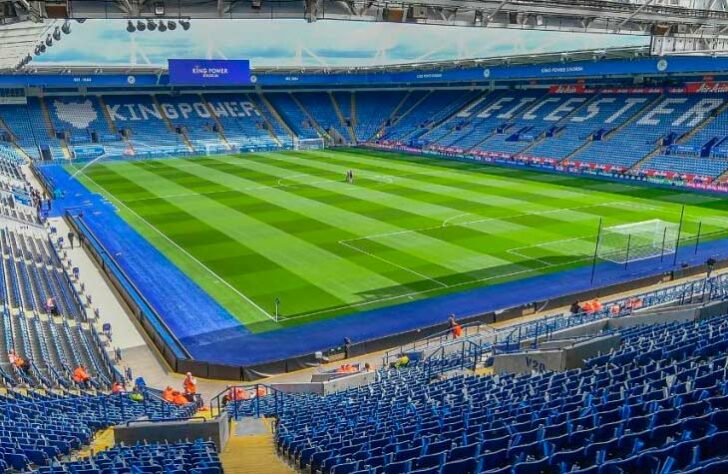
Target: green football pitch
[[254, 228]]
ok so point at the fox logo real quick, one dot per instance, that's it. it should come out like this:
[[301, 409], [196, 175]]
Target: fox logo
[[78, 114]]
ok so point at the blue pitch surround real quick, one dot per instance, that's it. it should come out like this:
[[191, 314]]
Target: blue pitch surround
[[210, 333]]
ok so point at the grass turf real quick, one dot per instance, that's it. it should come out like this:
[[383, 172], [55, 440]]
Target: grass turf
[[256, 227]]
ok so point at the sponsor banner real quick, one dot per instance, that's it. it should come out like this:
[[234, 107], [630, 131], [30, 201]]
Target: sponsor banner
[[570, 89], [632, 90], [707, 88], [207, 72]]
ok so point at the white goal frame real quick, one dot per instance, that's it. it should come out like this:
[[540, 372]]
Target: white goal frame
[[309, 144], [638, 241]]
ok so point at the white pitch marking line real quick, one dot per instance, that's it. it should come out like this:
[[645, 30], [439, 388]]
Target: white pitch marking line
[[516, 250], [422, 292], [480, 221], [447, 221], [194, 259], [414, 272]]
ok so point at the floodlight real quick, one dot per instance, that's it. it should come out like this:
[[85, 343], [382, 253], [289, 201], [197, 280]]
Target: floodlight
[[57, 34], [171, 25], [66, 28], [185, 24], [162, 27], [130, 27], [49, 41], [141, 26], [151, 26]]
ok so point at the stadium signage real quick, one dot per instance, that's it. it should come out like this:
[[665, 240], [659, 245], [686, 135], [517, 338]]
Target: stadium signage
[[570, 89], [707, 88], [142, 112], [209, 72]]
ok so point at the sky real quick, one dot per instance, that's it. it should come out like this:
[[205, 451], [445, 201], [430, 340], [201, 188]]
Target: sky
[[297, 43]]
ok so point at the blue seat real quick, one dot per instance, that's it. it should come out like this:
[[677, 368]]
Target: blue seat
[[430, 460], [462, 466], [347, 468], [401, 467], [495, 459]]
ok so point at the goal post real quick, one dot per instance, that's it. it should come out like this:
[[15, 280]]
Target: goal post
[[637, 241], [309, 144]]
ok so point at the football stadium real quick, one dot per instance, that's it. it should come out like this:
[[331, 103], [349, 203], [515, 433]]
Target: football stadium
[[342, 237]]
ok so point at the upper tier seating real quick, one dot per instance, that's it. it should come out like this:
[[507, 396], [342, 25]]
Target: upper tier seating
[[372, 111], [295, 118], [244, 125], [43, 129], [191, 114], [424, 110], [600, 115], [525, 122], [148, 131], [279, 130], [16, 119], [664, 121], [320, 107]]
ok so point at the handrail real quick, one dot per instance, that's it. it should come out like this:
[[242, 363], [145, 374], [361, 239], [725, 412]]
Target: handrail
[[532, 328], [216, 401]]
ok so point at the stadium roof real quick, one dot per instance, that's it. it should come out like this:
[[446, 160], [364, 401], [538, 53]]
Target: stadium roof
[[579, 55], [17, 40], [655, 17]]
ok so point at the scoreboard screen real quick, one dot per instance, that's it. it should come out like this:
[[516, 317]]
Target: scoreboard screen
[[206, 72]]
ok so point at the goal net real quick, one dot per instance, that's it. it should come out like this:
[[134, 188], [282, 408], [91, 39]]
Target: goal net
[[308, 144], [637, 241]]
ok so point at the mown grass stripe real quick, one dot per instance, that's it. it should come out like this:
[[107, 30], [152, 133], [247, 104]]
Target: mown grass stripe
[[319, 266]]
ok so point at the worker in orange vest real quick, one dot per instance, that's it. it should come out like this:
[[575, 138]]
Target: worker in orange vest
[[17, 361], [239, 393], [261, 391], [190, 386], [117, 388], [457, 331], [81, 376], [179, 399], [168, 394]]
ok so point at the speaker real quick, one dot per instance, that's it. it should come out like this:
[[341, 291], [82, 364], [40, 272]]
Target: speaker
[[419, 12]]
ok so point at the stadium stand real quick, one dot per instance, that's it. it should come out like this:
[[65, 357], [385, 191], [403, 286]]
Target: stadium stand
[[14, 118], [428, 110], [147, 126], [321, 108], [655, 404], [661, 124], [198, 457], [640, 132], [296, 118], [373, 109]]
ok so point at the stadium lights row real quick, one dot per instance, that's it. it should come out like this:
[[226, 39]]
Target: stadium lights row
[[151, 25], [41, 47]]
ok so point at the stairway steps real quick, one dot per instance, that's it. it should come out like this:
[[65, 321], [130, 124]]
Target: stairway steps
[[252, 453]]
